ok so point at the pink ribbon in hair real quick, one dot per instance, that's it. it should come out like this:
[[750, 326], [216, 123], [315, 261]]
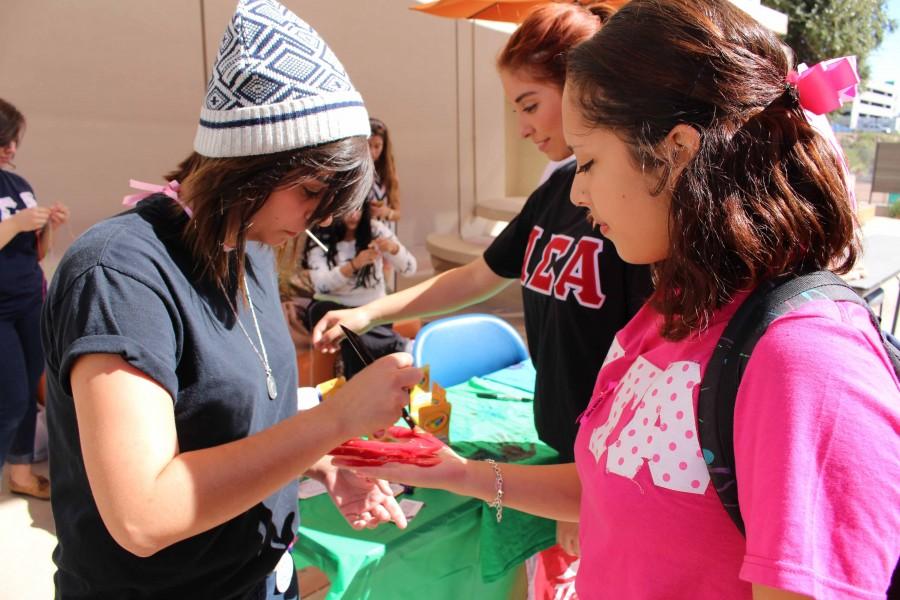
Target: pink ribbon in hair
[[171, 190], [827, 85]]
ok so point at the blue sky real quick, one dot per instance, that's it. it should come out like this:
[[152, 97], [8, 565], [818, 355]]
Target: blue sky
[[885, 61]]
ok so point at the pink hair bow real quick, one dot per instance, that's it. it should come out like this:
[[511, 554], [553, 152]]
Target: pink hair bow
[[825, 86], [171, 190]]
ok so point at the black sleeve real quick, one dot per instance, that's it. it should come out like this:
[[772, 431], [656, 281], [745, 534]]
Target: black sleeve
[[108, 312], [506, 253]]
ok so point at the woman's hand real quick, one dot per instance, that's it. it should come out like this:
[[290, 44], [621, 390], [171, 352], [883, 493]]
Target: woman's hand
[[31, 219], [385, 245], [364, 258], [374, 398], [59, 214], [363, 502], [449, 474], [327, 334], [567, 537], [361, 260]]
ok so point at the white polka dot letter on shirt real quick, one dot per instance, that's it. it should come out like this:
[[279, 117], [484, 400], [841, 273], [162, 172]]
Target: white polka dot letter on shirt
[[661, 430]]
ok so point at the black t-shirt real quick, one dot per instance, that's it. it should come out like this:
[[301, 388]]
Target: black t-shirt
[[127, 287], [577, 293], [21, 277]]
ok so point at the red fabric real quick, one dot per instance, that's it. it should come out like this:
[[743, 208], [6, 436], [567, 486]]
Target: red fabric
[[554, 575], [400, 445]]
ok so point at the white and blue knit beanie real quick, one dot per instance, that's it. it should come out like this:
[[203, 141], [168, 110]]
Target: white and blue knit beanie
[[275, 86]]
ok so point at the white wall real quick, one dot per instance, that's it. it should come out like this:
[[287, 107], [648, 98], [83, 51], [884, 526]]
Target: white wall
[[112, 90]]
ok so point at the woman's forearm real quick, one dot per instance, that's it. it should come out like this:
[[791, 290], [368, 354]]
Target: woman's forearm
[[43, 241], [443, 293], [201, 489], [549, 491], [347, 269], [149, 493], [227, 480], [323, 276]]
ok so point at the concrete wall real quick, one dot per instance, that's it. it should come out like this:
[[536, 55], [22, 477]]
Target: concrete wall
[[112, 90]]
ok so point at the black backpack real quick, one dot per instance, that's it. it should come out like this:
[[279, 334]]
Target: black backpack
[[718, 390]]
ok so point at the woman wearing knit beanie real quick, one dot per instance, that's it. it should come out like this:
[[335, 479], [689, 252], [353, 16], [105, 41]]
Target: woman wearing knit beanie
[[174, 434]]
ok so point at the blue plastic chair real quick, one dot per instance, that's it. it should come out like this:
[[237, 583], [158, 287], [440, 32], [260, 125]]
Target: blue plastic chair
[[464, 346]]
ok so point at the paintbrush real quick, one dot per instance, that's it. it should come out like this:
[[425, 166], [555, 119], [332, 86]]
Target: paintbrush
[[356, 343]]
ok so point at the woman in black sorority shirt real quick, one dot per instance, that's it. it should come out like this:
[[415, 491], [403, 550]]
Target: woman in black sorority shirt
[[576, 290]]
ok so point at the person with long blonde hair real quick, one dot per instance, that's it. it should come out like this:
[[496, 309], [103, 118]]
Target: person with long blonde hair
[[384, 196]]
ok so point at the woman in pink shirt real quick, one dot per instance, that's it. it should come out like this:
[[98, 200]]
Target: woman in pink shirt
[[695, 157]]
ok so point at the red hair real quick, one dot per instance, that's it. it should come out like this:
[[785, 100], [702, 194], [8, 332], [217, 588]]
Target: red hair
[[540, 45]]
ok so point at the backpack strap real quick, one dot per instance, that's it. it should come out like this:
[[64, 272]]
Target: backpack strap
[[722, 377]]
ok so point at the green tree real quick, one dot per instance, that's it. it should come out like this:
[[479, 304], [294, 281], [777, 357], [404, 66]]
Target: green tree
[[822, 29]]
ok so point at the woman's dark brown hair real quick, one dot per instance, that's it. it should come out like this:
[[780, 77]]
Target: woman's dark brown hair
[[385, 167], [764, 195], [224, 194], [11, 123], [540, 44]]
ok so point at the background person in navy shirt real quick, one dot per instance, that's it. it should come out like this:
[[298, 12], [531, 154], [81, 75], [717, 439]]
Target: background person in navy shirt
[[24, 229]]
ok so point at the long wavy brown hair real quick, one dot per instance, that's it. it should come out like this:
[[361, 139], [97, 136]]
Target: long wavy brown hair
[[384, 166], [539, 45], [763, 197], [224, 193]]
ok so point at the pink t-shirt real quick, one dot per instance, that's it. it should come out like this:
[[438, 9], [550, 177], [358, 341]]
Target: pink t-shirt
[[817, 447]]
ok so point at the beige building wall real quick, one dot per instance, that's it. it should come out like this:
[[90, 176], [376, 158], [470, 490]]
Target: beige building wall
[[111, 91]]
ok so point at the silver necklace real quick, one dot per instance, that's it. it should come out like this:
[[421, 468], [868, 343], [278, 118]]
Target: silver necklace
[[271, 387]]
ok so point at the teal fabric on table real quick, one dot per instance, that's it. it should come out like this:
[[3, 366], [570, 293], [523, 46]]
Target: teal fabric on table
[[520, 376], [454, 541], [387, 562]]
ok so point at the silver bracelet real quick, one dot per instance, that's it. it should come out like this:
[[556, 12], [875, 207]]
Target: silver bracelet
[[497, 502]]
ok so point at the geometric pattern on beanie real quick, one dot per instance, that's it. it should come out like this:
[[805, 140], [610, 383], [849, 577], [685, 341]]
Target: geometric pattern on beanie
[[275, 86], [269, 55]]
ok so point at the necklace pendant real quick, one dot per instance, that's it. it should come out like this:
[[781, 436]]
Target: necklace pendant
[[271, 386]]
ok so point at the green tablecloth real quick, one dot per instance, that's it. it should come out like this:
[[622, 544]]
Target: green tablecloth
[[454, 548]]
